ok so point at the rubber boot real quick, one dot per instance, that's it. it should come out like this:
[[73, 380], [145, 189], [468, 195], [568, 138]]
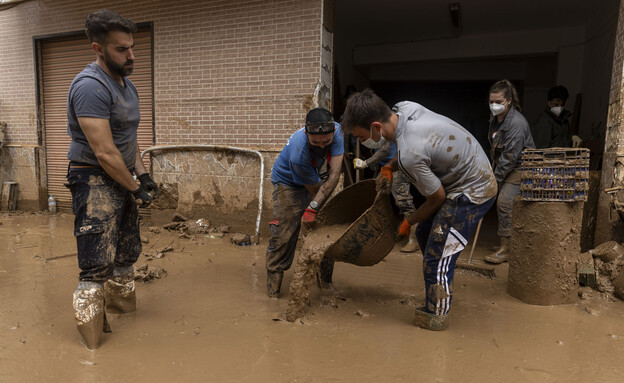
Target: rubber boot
[[274, 284], [120, 293], [412, 244], [89, 313], [430, 321], [501, 254]]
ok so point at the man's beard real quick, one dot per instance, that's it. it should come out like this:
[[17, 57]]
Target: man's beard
[[117, 69]]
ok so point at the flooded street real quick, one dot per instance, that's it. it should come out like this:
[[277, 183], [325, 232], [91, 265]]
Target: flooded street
[[210, 320]]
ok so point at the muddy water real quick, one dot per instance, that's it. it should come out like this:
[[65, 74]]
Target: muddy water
[[209, 320], [315, 244]]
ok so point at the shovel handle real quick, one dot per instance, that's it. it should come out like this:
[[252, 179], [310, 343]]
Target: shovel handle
[[474, 243]]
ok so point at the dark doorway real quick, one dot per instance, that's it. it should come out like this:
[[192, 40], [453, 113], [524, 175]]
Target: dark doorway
[[465, 102]]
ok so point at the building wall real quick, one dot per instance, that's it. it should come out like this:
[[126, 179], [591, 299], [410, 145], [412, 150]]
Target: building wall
[[609, 225], [233, 72]]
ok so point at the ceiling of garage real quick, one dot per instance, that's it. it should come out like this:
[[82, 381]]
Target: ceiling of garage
[[376, 21]]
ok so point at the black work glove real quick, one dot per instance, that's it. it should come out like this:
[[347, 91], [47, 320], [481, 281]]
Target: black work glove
[[148, 184], [142, 197]]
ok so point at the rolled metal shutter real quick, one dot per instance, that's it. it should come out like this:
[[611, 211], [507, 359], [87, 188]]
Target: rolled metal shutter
[[61, 60]]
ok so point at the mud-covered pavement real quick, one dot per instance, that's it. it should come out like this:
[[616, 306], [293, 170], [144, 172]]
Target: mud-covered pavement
[[209, 320]]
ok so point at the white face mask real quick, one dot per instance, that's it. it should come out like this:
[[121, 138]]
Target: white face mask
[[372, 144], [497, 109], [556, 110]]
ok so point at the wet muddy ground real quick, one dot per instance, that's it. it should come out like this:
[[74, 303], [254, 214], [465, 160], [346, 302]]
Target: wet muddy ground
[[209, 320]]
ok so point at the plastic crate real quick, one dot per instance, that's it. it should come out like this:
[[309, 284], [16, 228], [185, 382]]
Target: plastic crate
[[555, 175]]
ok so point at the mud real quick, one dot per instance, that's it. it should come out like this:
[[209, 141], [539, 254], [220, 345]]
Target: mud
[[545, 250], [314, 247], [210, 320]]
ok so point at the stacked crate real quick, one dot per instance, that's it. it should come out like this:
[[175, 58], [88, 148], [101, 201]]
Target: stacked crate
[[555, 175]]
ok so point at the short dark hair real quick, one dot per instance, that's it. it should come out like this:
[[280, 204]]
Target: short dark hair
[[319, 121], [363, 109], [100, 23], [558, 91]]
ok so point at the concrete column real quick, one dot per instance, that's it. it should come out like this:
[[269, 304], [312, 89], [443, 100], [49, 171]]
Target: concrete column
[[609, 226]]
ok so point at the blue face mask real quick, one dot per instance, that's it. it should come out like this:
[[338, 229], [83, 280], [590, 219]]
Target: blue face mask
[[372, 144]]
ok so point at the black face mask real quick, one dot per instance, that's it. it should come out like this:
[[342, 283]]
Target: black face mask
[[321, 152]]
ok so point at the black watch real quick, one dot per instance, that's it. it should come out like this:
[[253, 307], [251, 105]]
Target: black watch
[[314, 205]]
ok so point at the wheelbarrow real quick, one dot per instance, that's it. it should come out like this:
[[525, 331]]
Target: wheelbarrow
[[363, 226], [372, 221]]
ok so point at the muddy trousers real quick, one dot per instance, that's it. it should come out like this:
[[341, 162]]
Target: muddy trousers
[[106, 224], [504, 207], [401, 192], [442, 239], [288, 207]]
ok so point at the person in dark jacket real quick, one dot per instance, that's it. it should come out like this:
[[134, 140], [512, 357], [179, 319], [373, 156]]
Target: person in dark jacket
[[552, 128], [509, 135]]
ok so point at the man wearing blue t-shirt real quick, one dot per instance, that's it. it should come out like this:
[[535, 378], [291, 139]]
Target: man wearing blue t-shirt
[[301, 184], [102, 121]]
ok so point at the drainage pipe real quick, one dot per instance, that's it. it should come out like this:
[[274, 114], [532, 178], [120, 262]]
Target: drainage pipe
[[223, 148]]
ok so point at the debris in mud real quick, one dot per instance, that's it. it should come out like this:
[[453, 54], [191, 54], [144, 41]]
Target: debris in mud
[[361, 314], [147, 273], [161, 253], [177, 217], [609, 268], [608, 251], [154, 229], [201, 226], [240, 239], [144, 240], [172, 226]]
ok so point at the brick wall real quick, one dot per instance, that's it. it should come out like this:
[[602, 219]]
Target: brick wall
[[235, 72]]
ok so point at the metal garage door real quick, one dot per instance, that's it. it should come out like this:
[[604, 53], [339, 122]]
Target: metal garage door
[[61, 59]]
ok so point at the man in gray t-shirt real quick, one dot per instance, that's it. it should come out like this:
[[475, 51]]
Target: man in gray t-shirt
[[447, 166], [102, 121]]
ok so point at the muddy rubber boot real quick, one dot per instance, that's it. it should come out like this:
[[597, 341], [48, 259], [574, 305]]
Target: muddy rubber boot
[[412, 244], [121, 294], [89, 313], [274, 284], [501, 254], [430, 321]]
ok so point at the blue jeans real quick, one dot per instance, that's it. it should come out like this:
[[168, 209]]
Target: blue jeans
[[106, 224], [442, 238]]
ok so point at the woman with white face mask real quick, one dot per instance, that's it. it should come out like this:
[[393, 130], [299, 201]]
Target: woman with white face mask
[[552, 128], [509, 135]]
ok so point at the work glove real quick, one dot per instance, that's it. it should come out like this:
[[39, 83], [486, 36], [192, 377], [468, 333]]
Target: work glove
[[149, 185], [141, 197], [359, 164], [309, 215], [384, 178], [404, 229], [576, 141]]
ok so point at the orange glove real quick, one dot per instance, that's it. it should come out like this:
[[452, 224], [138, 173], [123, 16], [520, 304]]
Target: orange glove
[[384, 178], [308, 216], [386, 172], [405, 228]]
